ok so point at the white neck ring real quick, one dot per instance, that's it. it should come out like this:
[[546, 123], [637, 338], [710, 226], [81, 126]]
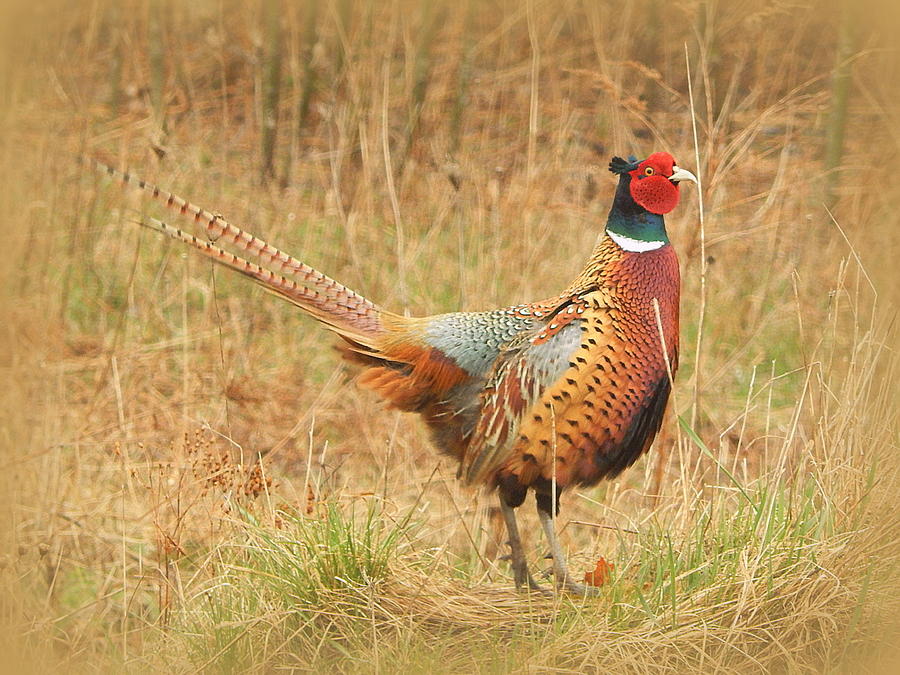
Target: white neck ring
[[634, 245]]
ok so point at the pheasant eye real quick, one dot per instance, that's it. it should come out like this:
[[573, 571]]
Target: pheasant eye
[[649, 171]]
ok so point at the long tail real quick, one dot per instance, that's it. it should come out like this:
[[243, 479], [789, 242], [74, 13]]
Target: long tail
[[346, 312], [400, 365]]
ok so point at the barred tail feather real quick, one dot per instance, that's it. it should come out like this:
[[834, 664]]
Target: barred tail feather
[[353, 316], [221, 231], [346, 312]]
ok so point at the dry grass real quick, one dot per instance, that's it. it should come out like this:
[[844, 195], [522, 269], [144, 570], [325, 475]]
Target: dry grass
[[191, 480]]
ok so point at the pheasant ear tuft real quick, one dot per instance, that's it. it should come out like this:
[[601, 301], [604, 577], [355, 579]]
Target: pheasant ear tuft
[[619, 166]]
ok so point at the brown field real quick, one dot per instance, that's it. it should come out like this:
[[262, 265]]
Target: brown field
[[192, 481]]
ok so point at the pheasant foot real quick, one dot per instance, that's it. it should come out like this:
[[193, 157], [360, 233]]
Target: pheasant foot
[[560, 568], [521, 574]]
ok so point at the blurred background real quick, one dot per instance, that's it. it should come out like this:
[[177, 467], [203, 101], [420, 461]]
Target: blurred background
[[167, 427]]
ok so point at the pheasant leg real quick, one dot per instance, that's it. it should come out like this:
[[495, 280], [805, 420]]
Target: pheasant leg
[[517, 556], [560, 569]]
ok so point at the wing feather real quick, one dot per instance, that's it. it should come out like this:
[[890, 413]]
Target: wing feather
[[521, 375], [574, 407]]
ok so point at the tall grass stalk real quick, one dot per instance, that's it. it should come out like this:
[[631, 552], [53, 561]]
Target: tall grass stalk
[[271, 50], [305, 527], [841, 84]]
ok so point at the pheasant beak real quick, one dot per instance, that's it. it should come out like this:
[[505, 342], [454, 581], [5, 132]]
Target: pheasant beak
[[679, 174]]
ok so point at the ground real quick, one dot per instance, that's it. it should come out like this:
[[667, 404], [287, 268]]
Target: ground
[[192, 480]]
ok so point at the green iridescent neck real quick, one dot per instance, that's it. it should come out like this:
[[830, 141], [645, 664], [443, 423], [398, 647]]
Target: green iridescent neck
[[628, 219]]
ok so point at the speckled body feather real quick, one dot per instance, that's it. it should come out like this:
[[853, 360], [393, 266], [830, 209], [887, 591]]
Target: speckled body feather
[[569, 390], [599, 405]]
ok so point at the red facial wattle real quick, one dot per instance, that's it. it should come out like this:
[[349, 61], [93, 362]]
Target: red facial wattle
[[650, 185], [655, 193]]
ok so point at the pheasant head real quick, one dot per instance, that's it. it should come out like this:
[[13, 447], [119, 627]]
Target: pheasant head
[[647, 190]]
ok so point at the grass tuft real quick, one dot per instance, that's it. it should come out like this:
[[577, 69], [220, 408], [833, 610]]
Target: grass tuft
[[192, 482]]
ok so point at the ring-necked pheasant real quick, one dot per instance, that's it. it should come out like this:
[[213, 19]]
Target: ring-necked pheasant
[[544, 395]]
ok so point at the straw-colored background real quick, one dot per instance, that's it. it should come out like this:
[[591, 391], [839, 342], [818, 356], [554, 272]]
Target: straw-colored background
[[190, 477]]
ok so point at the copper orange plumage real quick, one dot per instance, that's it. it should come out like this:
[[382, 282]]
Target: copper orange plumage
[[538, 396]]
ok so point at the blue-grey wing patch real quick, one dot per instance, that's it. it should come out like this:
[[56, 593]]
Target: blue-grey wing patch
[[474, 340]]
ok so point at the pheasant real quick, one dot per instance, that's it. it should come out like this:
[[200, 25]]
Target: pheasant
[[543, 395]]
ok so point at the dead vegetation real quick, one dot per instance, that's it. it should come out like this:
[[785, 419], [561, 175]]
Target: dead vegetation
[[191, 480]]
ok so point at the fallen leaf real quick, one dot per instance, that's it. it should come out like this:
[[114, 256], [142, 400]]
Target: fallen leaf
[[600, 575]]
